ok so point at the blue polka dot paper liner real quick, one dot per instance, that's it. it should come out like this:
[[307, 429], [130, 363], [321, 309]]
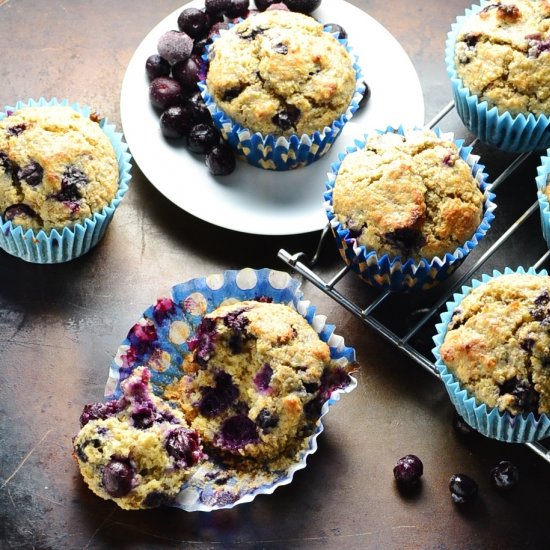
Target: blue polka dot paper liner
[[159, 341], [396, 273], [70, 242], [280, 153], [489, 421], [513, 133], [542, 181]]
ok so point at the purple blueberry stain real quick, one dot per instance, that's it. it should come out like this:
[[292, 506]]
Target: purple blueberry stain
[[263, 378], [163, 308], [202, 342], [237, 432], [219, 398], [142, 338]]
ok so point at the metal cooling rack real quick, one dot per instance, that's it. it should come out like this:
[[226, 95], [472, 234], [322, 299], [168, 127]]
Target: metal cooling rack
[[407, 341]]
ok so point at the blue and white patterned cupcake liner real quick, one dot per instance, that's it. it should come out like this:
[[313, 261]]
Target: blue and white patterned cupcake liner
[[488, 421], [397, 273], [543, 180], [280, 153], [513, 133], [159, 341], [64, 244]]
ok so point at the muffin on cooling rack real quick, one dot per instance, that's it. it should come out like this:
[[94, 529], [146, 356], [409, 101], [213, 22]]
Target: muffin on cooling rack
[[62, 174], [492, 349], [280, 88], [407, 206], [543, 194], [498, 60]]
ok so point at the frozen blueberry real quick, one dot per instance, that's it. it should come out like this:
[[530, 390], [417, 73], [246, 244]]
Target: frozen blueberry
[[32, 174], [216, 7], [238, 431], [186, 72], [505, 475], [199, 109], [183, 446], [174, 46], [156, 66], [408, 470], [202, 138], [118, 477], [238, 8], [262, 5], [193, 22], [176, 121], [220, 160], [463, 489], [303, 6], [165, 92]]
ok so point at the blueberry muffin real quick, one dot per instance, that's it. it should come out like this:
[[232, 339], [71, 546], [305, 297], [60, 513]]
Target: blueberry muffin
[[136, 450], [57, 167], [280, 73], [408, 195], [257, 379], [497, 343], [502, 55]]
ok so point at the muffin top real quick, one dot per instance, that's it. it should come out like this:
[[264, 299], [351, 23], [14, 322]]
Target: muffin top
[[257, 380], [136, 450], [498, 343], [280, 73], [408, 195], [502, 55], [56, 167]]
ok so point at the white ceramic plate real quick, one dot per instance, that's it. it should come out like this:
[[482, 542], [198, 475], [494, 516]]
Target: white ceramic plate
[[258, 201]]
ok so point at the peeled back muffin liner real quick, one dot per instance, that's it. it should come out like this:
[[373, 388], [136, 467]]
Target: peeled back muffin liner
[[163, 346], [272, 152], [543, 180], [63, 244], [489, 421], [398, 273], [519, 133]]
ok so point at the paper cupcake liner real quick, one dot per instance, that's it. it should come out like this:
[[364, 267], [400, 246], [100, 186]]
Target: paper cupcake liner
[[402, 274], [487, 420], [163, 348], [543, 180], [64, 244], [513, 133], [283, 153]]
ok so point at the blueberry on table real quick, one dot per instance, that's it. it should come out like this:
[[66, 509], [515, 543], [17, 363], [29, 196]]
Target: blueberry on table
[[505, 475], [463, 489], [220, 160], [156, 66], [408, 470], [193, 22], [303, 6]]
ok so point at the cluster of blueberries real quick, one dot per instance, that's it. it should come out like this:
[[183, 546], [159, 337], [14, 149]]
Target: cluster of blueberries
[[178, 66]]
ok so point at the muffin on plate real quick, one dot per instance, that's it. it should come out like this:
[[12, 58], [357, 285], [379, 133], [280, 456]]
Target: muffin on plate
[[62, 174], [407, 206], [257, 380], [135, 450], [498, 60], [280, 88], [492, 349]]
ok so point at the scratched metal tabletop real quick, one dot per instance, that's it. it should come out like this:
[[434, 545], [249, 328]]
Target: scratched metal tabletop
[[60, 326]]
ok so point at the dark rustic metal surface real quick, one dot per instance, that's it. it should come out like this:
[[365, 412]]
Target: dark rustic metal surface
[[61, 325]]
